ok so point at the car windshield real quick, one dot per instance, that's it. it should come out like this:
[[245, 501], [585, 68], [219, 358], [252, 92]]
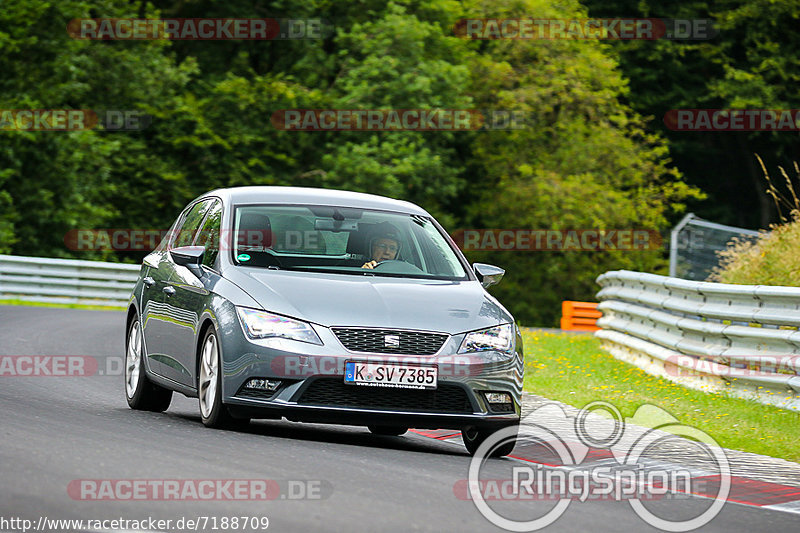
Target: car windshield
[[343, 240]]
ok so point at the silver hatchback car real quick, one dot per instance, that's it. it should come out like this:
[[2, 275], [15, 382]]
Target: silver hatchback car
[[322, 306]]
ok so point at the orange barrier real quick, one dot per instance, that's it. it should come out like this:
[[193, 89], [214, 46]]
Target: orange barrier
[[579, 316]]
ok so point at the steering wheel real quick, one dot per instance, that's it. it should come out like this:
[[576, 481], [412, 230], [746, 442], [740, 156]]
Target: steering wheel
[[401, 267]]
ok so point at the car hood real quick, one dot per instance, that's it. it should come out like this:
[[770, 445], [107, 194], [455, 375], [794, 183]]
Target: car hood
[[373, 301]]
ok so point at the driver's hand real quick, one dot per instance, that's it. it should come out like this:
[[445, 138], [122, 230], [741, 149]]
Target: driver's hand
[[371, 264]]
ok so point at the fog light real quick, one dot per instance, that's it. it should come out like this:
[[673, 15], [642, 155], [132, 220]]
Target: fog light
[[263, 384], [498, 397]]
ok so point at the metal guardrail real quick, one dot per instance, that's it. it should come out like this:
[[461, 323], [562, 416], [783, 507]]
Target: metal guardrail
[[710, 336], [40, 279]]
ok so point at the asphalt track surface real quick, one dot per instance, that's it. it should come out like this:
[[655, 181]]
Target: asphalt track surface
[[54, 430]]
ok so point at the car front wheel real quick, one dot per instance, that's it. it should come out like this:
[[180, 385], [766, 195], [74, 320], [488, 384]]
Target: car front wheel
[[209, 386], [474, 437]]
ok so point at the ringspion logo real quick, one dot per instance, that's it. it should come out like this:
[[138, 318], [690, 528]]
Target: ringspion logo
[[564, 467]]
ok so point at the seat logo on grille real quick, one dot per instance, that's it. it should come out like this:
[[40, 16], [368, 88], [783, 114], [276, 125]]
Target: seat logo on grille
[[391, 341]]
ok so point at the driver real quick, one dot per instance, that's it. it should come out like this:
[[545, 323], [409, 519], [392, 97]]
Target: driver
[[384, 246]]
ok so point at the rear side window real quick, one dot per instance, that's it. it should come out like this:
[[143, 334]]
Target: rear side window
[[209, 235], [191, 223]]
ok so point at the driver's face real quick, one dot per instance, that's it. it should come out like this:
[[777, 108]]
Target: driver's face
[[384, 250]]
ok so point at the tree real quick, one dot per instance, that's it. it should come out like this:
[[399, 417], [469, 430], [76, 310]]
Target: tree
[[586, 162], [751, 64], [53, 182]]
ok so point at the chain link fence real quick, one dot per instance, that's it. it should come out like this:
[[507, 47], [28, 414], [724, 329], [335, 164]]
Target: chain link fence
[[694, 244]]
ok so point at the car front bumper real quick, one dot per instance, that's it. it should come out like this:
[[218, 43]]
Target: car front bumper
[[312, 385]]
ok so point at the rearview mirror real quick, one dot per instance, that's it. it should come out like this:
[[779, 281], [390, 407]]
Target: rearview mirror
[[189, 256], [330, 224], [488, 275]]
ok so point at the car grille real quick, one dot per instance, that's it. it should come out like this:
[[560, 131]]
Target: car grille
[[501, 408], [333, 392], [376, 341]]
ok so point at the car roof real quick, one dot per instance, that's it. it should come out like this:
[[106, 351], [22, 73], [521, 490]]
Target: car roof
[[313, 196]]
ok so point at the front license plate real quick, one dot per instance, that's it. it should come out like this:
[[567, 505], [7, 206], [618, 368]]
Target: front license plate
[[391, 375]]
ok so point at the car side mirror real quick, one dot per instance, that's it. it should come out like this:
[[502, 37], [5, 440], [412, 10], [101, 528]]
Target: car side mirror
[[189, 256], [488, 275]]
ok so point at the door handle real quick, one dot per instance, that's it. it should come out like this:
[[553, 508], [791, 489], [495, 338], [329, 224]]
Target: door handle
[[148, 282], [169, 291]]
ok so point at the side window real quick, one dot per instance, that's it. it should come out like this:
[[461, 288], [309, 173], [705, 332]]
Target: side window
[[191, 223], [209, 235], [166, 237]]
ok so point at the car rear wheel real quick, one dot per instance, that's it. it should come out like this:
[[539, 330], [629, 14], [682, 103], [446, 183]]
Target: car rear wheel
[[474, 437], [209, 386], [392, 431], [141, 393]]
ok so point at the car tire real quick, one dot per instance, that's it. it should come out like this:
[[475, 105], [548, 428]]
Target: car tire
[[213, 412], [390, 431], [473, 438], [141, 393]]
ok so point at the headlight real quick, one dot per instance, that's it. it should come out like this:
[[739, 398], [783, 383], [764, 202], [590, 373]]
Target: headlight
[[497, 338], [263, 325]]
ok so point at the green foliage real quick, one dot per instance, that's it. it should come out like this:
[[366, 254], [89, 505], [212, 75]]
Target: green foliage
[[56, 181], [398, 61], [751, 63], [772, 258], [587, 161]]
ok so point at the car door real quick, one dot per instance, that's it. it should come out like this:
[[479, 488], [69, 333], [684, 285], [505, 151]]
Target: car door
[[169, 315], [151, 301], [186, 298], [154, 318]]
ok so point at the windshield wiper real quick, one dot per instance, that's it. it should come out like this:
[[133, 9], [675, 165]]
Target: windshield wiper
[[419, 220]]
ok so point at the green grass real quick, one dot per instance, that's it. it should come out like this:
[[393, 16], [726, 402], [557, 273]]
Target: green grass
[[574, 369], [60, 305]]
